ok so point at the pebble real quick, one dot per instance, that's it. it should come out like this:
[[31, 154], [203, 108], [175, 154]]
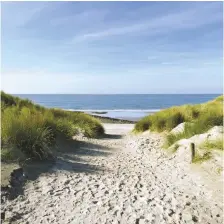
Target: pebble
[[128, 187]]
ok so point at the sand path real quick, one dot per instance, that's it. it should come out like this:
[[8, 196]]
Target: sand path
[[118, 179]]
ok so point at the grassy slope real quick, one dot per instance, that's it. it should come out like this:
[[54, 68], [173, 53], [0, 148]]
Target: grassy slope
[[209, 145], [202, 117], [206, 148], [30, 131]]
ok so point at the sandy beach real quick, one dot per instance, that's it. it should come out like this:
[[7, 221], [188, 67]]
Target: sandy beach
[[121, 178], [112, 112]]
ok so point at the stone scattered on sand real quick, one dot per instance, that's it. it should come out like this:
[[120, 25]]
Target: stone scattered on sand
[[129, 179]]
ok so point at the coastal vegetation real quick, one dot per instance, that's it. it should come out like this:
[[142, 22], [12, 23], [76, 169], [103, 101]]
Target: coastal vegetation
[[209, 145], [29, 130], [199, 119], [112, 120], [205, 149], [202, 158]]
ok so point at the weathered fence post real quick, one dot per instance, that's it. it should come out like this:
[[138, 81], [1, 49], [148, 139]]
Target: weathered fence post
[[192, 151]]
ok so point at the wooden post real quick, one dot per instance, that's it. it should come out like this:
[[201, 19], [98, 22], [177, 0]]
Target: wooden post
[[192, 151]]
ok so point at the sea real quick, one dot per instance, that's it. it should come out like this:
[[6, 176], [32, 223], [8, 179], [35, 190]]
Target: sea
[[122, 106]]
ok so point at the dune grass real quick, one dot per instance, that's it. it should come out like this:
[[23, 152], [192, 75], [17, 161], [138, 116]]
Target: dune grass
[[166, 120], [201, 158], [210, 145], [199, 126], [26, 132], [200, 118], [33, 129]]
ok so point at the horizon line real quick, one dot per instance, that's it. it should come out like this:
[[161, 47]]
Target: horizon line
[[116, 93]]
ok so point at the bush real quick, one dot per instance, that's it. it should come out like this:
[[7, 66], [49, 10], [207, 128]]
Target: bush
[[78, 120], [33, 129], [27, 133], [12, 155], [66, 128]]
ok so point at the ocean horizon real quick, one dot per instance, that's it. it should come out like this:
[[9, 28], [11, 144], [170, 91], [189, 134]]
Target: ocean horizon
[[121, 106]]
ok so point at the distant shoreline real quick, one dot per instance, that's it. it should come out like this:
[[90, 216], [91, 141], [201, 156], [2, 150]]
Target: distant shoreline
[[113, 120], [125, 107], [104, 119], [132, 116]]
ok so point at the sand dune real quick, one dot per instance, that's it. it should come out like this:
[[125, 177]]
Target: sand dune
[[118, 179]]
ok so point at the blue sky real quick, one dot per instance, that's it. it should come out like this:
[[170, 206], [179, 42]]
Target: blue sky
[[112, 47]]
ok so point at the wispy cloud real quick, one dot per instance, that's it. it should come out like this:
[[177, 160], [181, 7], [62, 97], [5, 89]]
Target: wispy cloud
[[81, 18], [18, 18], [184, 20], [74, 43]]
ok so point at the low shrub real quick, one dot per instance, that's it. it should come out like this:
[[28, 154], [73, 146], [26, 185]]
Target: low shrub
[[33, 129], [65, 127], [12, 155], [27, 133]]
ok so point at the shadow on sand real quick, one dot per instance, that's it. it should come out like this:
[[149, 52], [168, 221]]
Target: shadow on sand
[[67, 158], [110, 136]]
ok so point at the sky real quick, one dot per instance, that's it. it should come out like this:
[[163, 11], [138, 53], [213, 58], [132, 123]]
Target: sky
[[111, 47]]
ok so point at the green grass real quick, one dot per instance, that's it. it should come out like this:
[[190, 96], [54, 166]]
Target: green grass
[[166, 120], [26, 132], [174, 148], [12, 155], [200, 159], [200, 118], [9, 100], [33, 129], [203, 124], [210, 145]]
